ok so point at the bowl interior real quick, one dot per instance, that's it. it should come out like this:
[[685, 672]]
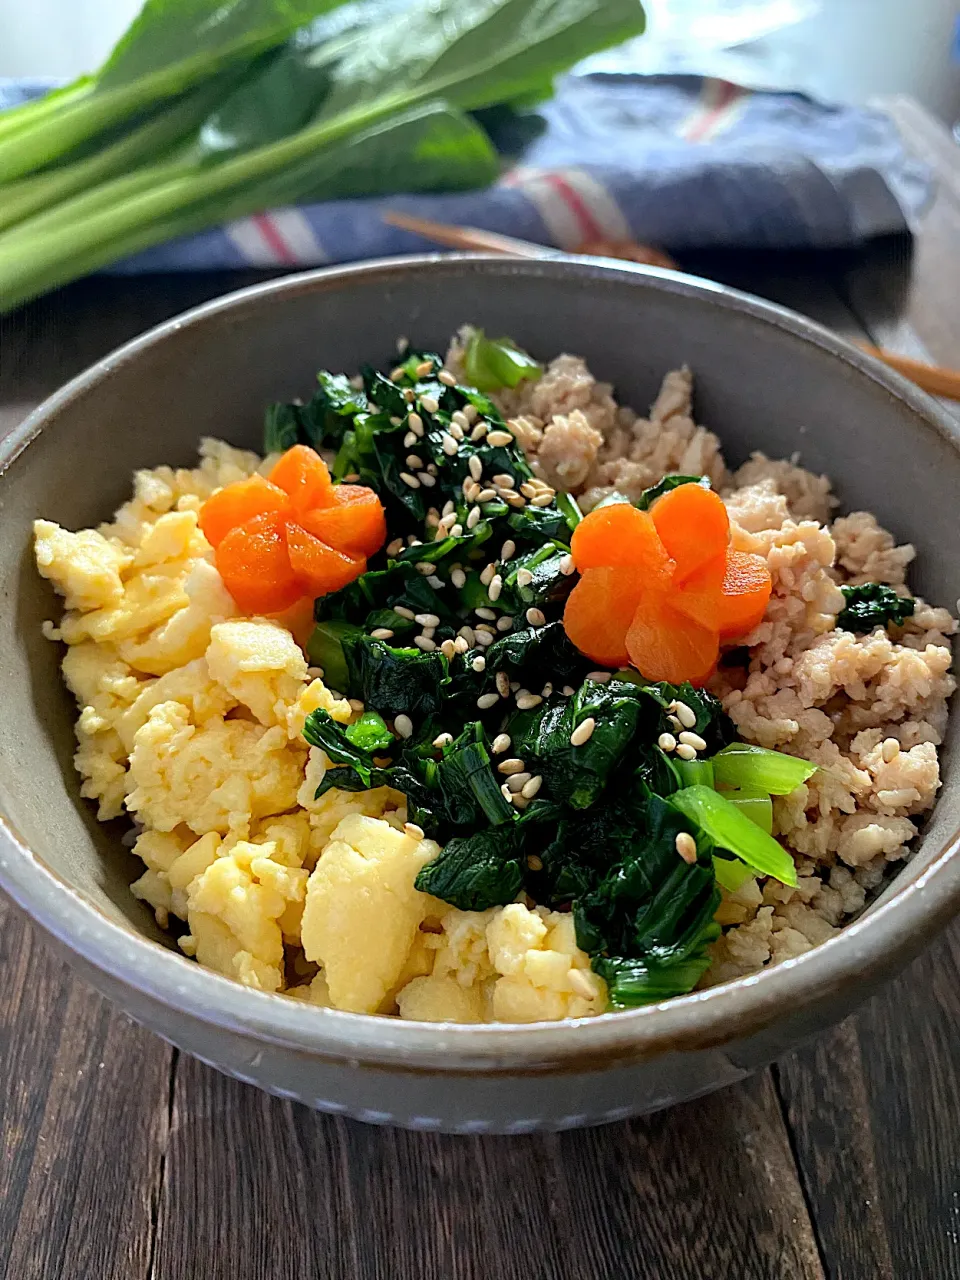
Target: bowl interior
[[759, 384]]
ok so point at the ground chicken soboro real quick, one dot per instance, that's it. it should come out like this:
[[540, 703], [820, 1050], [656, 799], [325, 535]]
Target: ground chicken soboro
[[191, 720]]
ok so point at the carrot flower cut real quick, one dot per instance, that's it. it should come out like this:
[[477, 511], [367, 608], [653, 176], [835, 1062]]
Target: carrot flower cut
[[663, 589], [294, 536]]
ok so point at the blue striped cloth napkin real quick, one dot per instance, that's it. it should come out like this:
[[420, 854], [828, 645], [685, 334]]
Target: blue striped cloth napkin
[[681, 162]]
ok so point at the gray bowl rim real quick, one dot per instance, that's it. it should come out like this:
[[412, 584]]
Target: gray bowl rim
[[875, 944]]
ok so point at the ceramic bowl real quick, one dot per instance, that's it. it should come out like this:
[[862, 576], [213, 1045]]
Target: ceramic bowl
[[765, 378]]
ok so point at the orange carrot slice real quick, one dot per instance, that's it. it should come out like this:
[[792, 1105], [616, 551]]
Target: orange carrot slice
[[255, 567], [319, 567], [303, 474], [693, 526], [621, 536], [745, 592], [664, 644], [355, 522], [599, 611], [700, 597], [236, 503]]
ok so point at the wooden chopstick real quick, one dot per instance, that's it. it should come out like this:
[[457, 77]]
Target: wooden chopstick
[[932, 378], [938, 381]]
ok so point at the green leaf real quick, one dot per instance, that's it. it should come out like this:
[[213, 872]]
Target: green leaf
[[731, 873], [369, 733], [744, 765], [476, 872], [649, 496], [753, 804], [492, 363], [282, 428], [395, 681], [321, 730], [695, 772], [873, 605], [325, 650], [646, 981], [730, 829]]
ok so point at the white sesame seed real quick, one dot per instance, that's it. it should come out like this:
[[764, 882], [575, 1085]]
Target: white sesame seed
[[470, 489], [504, 480], [486, 576], [415, 423], [567, 566], [513, 765], [534, 862], [355, 704], [568, 691], [408, 395], [429, 403], [686, 716], [517, 781], [488, 615], [413, 831], [395, 547], [460, 645], [403, 345], [693, 740], [414, 542], [503, 684], [448, 649], [476, 466], [424, 567], [424, 643], [458, 578], [583, 732], [460, 418], [527, 701], [598, 677], [520, 801], [542, 500], [529, 489], [889, 750], [530, 789], [686, 846], [447, 378], [484, 638], [485, 627], [351, 477], [449, 445], [394, 420], [474, 516], [524, 577], [508, 549], [536, 617], [514, 686], [479, 431], [488, 700], [470, 412], [397, 374], [505, 623], [547, 690], [448, 507], [674, 723], [486, 495], [456, 530], [467, 633], [414, 462], [516, 500], [686, 752], [505, 791], [495, 587], [427, 478], [403, 725], [382, 633], [667, 742], [443, 739], [434, 581], [500, 438], [403, 611], [411, 481], [427, 619], [424, 368], [456, 430], [409, 440], [479, 662], [500, 743]]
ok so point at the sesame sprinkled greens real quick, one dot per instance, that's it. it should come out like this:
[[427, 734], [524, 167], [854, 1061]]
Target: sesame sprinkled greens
[[873, 605], [595, 791]]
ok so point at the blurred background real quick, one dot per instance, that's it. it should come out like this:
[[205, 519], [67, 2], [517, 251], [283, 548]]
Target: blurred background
[[837, 50]]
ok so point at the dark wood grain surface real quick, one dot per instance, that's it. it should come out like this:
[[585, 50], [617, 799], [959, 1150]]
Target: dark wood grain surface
[[122, 1160]]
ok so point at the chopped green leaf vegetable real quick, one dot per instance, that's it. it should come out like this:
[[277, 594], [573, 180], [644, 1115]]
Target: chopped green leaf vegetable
[[753, 804], [476, 872], [730, 829], [873, 605], [743, 765], [370, 733], [492, 363]]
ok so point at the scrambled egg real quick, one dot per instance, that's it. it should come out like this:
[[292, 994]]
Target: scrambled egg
[[190, 722]]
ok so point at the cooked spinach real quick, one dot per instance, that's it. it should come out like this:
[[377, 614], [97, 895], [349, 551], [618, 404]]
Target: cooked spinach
[[478, 871], [394, 681], [873, 605]]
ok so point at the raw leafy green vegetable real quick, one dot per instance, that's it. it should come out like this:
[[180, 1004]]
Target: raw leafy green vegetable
[[873, 605], [649, 496], [730, 829], [772, 772], [492, 363]]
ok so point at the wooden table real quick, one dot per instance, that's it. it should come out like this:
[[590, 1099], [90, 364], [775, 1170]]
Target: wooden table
[[122, 1160]]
